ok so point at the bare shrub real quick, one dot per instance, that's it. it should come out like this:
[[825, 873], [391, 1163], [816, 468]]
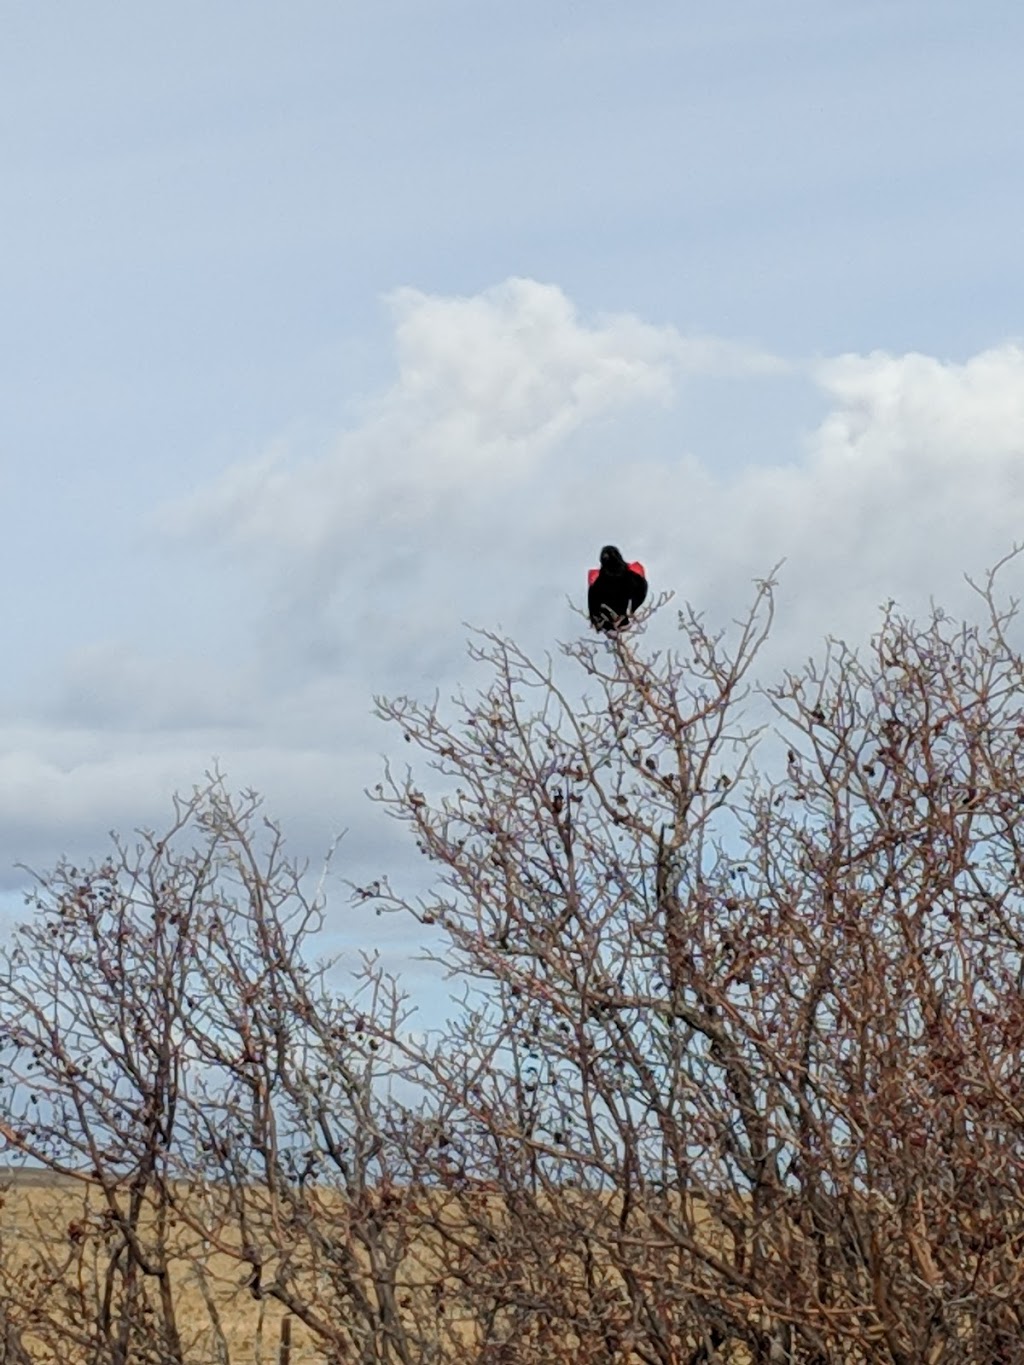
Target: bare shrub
[[734, 1071], [168, 1047]]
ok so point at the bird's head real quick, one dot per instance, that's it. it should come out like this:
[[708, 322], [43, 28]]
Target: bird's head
[[611, 560]]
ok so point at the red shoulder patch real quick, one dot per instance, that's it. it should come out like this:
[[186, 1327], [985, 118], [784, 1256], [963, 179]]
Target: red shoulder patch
[[637, 567], [591, 576]]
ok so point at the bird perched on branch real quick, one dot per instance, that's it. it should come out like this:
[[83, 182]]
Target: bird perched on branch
[[615, 591]]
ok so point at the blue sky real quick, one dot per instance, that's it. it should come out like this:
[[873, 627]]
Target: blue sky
[[328, 327]]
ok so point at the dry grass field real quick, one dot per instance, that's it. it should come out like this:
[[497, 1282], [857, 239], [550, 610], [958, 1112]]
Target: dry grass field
[[44, 1227], [53, 1256], [468, 1279]]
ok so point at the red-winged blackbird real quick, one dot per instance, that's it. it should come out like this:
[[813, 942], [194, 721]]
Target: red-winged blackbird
[[616, 589]]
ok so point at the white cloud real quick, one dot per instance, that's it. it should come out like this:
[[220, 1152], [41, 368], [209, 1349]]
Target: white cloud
[[488, 387], [508, 373], [453, 474], [915, 476]]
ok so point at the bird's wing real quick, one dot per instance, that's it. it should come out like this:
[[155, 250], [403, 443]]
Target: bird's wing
[[595, 606], [639, 586]]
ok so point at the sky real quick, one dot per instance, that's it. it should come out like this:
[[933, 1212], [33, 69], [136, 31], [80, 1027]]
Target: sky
[[329, 328]]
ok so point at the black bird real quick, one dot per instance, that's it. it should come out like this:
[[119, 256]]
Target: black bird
[[616, 589]]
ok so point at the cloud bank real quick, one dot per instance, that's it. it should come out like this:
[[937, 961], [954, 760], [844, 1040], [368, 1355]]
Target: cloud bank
[[478, 487]]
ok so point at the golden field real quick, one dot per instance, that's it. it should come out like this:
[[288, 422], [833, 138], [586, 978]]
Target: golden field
[[440, 1247], [50, 1224]]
